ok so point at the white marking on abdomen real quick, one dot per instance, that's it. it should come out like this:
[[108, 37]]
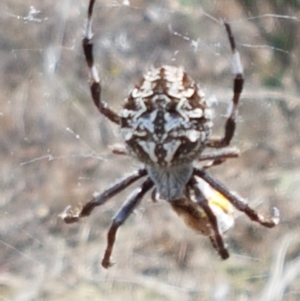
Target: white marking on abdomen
[[149, 148], [171, 148]]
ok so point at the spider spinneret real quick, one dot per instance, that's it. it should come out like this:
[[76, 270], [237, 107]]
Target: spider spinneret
[[166, 124]]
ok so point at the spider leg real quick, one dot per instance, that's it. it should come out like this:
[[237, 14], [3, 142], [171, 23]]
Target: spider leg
[[213, 243], [119, 149], [87, 45], [226, 153], [69, 217], [237, 90], [154, 196], [219, 156], [121, 217], [238, 202], [216, 238]]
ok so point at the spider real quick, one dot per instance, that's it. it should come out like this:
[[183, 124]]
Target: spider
[[166, 124]]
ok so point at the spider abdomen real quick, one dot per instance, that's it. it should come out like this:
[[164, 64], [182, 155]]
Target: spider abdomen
[[166, 120]]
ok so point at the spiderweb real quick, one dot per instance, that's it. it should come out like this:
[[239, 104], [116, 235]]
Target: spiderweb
[[55, 150]]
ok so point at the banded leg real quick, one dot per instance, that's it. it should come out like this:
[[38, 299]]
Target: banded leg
[[216, 239], [95, 87], [70, 217], [237, 90], [121, 217], [238, 202], [218, 157]]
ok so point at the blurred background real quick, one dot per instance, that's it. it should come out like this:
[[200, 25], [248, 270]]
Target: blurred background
[[55, 150]]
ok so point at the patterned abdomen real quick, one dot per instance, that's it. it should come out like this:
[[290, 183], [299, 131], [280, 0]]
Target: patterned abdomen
[[165, 120]]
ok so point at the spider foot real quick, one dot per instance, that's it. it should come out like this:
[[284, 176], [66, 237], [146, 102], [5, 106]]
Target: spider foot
[[69, 215], [220, 248], [273, 221], [224, 253], [106, 263]]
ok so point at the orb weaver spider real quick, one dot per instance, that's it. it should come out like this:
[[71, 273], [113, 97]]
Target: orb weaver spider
[[166, 124]]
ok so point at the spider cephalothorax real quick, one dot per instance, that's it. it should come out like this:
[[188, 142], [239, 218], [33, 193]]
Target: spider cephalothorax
[[166, 123]]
